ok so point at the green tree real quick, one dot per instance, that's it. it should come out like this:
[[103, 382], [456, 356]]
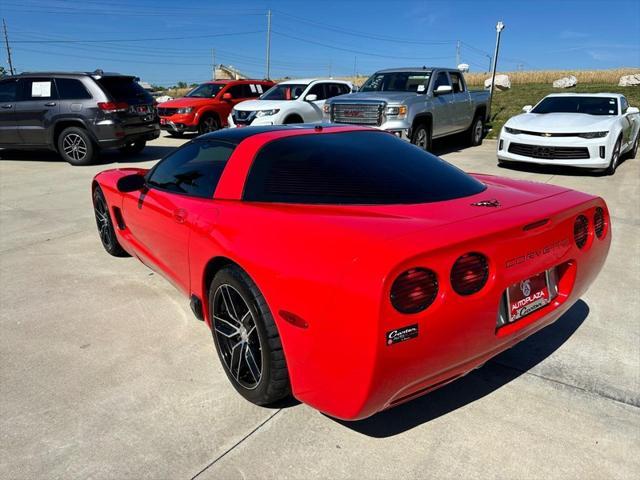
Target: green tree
[[181, 85]]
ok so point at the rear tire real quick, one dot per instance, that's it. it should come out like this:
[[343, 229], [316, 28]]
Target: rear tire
[[476, 132], [105, 226], [615, 157], [208, 124], [421, 137], [76, 146], [634, 150], [246, 338], [133, 147], [175, 134]]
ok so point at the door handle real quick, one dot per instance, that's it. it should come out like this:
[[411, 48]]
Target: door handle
[[180, 215], [50, 104], [7, 106]]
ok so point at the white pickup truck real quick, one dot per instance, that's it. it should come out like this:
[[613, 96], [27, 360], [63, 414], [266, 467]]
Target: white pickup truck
[[418, 104]]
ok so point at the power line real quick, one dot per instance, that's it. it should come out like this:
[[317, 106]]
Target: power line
[[124, 40]]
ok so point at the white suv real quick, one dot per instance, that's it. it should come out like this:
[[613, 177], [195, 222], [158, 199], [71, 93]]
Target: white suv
[[293, 101]]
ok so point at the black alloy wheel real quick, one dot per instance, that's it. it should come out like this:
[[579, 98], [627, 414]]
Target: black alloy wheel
[[105, 227]]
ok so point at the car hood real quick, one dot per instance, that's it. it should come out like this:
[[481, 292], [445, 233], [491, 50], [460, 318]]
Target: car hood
[[187, 102], [560, 122], [389, 97], [253, 105]]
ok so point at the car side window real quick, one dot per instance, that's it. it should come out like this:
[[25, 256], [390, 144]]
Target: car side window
[[335, 89], [319, 90], [37, 89], [344, 88], [71, 89], [456, 82], [441, 79], [193, 170], [253, 90], [8, 90], [624, 104], [237, 91]]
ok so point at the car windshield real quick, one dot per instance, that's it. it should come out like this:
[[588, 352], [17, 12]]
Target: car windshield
[[365, 167], [287, 91], [206, 90], [588, 105], [396, 82]]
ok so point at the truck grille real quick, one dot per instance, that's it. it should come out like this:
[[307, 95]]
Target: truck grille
[[167, 112], [549, 153], [357, 113]]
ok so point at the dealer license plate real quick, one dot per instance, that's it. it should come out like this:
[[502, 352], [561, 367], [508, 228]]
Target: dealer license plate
[[527, 296]]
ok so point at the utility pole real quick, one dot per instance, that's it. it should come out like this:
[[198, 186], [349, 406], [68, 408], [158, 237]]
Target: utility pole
[[499, 28], [213, 63], [6, 42], [457, 53], [355, 67], [490, 62], [329, 68], [269, 45]]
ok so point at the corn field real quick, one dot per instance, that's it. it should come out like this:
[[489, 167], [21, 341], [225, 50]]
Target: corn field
[[548, 76]]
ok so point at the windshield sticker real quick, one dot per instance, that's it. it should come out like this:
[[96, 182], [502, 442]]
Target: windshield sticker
[[420, 88], [41, 89], [259, 87], [252, 87]]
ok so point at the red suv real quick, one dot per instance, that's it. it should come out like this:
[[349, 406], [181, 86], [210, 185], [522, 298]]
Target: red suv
[[206, 107]]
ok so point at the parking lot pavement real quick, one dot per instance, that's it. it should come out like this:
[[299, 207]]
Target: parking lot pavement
[[105, 373]]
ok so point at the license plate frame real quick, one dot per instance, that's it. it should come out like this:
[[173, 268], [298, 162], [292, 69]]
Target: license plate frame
[[528, 296]]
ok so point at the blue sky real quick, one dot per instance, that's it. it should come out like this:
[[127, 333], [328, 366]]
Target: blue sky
[[167, 41]]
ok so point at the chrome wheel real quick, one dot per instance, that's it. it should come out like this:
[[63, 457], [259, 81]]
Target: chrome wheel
[[103, 222], [477, 132], [209, 124], [421, 139], [74, 146], [237, 336]]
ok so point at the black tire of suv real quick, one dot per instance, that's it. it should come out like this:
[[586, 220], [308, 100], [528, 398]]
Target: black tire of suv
[[208, 124], [85, 152], [105, 226], [176, 134], [133, 147], [274, 384], [476, 131], [421, 136]]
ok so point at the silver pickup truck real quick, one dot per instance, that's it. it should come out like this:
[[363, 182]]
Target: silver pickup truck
[[418, 104]]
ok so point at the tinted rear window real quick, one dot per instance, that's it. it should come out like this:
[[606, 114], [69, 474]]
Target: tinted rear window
[[125, 89], [353, 168]]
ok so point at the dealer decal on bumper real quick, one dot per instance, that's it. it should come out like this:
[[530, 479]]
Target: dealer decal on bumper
[[402, 334]]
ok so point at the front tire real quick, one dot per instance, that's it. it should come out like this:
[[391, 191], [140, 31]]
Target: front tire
[[133, 147], [208, 124], [105, 226], [615, 157], [246, 338], [421, 137], [76, 146], [634, 150]]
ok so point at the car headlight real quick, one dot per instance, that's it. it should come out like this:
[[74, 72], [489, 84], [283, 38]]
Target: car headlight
[[512, 131], [185, 110], [593, 134], [399, 111], [267, 113]]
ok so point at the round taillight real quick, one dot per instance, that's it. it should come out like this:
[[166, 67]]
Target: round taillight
[[470, 273], [581, 231], [414, 290], [598, 222]]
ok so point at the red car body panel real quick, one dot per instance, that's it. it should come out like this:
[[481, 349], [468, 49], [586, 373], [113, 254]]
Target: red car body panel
[[333, 267], [217, 106]]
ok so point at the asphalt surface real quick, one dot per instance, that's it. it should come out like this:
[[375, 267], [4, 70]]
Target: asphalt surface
[[105, 373]]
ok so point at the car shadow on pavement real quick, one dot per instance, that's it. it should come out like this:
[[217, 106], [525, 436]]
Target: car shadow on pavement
[[499, 371], [106, 157]]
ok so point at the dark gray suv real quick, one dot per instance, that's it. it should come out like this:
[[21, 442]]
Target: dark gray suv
[[76, 114]]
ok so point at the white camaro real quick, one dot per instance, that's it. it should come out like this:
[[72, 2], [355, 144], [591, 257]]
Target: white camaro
[[292, 101], [572, 129]]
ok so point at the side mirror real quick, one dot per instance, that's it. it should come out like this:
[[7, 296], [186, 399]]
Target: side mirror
[[527, 108], [227, 96], [131, 183], [312, 97], [443, 89], [632, 110]]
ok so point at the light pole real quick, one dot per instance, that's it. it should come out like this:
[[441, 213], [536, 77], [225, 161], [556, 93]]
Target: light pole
[[499, 28]]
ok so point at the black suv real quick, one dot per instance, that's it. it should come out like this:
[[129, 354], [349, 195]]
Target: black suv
[[76, 114]]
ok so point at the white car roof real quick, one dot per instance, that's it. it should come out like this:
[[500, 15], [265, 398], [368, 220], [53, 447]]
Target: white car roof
[[607, 95], [307, 81]]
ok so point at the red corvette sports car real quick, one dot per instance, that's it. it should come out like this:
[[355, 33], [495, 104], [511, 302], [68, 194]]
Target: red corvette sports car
[[348, 267]]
